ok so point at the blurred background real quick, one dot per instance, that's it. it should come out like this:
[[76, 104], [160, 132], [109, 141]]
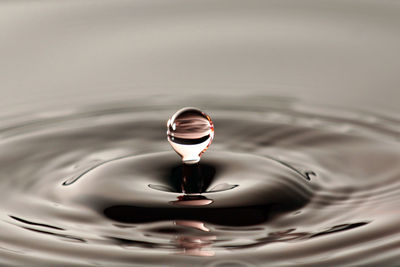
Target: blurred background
[[343, 53]]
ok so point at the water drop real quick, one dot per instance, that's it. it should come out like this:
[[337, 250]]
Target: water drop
[[190, 132]]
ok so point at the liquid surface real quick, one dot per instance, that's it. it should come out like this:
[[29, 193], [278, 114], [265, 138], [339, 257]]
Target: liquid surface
[[284, 184]]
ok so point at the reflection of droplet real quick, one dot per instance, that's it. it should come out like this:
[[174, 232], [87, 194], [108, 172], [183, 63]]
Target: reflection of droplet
[[190, 132], [192, 200], [193, 224]]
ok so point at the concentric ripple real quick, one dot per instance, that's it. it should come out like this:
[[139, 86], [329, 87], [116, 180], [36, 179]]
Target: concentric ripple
[[284, 183]]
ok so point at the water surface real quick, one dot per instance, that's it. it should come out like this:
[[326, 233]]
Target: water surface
[[283, 183], [304, 168]]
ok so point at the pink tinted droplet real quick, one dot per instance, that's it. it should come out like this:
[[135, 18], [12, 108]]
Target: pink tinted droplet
[[190, 132]]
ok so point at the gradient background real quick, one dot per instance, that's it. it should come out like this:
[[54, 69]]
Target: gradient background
[[69, 52]]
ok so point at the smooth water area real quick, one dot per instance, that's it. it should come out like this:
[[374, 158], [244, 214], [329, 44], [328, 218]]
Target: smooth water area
[[283, 184]]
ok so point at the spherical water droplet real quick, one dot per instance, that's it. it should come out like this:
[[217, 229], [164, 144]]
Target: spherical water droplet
[[190, 132]]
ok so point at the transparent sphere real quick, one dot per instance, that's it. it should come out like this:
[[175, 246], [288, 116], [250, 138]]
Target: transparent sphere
[[190, 132]]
